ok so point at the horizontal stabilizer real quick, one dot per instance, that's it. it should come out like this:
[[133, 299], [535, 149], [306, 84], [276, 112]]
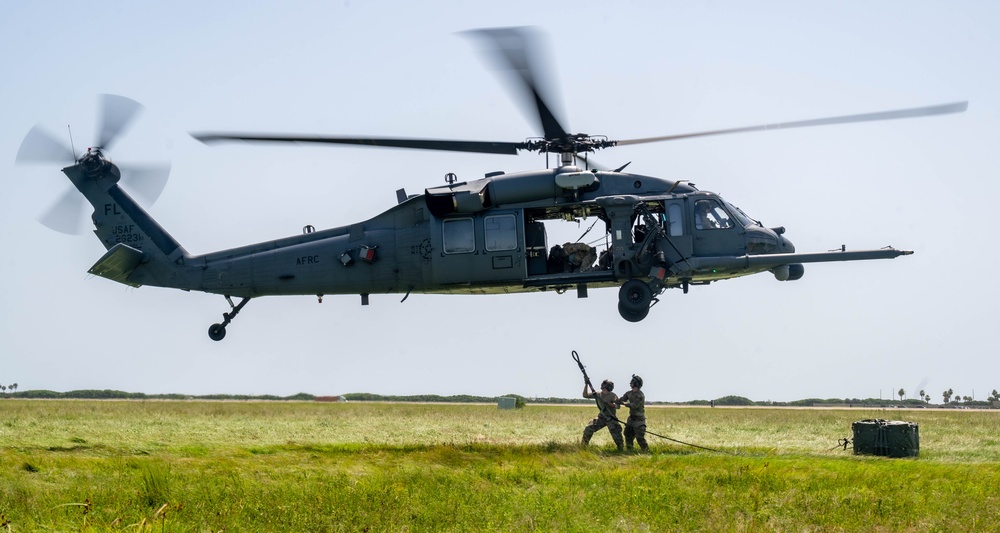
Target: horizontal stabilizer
[[117, 264]]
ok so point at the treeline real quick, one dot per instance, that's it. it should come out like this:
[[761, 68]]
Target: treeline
[[107, 394], [851, 402], [458, 398]]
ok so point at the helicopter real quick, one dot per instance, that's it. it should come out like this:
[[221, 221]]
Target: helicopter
[[483, 236]]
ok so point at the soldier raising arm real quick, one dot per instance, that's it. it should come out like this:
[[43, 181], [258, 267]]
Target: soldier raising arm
[[607, 402]]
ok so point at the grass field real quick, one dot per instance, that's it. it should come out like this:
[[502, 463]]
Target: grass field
[[308, 466]]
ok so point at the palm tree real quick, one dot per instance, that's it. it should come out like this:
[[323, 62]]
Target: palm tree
[[922, 393], [901, 393]]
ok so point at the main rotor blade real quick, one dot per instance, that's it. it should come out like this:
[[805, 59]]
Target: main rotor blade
[[115, 115], [64, 215], [943, 109], [485, 147], [514, 50], [39, 146]]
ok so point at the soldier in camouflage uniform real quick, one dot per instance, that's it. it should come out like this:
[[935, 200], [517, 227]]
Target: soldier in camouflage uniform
[[607, 402], [635, 426], [580, 257]]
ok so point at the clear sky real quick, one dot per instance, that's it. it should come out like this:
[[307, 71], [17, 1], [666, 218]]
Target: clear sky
[[621, 69]]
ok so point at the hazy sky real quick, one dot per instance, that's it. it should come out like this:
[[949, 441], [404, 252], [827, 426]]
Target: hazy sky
[[622, 69]]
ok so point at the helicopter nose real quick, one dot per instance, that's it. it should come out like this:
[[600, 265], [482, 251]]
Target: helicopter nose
[[785, 246]]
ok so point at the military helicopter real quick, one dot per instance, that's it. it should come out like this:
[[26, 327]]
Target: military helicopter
[[484, 236]]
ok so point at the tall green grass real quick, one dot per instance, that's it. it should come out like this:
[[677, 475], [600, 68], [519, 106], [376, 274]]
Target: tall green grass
[[267, 466]]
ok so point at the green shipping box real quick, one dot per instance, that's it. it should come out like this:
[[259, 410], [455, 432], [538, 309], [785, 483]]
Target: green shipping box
[[891, 438]]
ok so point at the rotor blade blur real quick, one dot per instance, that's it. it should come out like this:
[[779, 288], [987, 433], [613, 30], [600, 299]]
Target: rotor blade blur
[[943, 109], [39, 146], [115, 115], [588, 162], [64, 215], [485, 147], [146, 181], [514, 49]]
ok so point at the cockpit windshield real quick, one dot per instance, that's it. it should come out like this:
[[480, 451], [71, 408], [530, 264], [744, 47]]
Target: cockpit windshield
[[739, 215]]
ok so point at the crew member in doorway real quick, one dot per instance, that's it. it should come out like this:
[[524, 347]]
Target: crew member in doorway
[[556, 263], [604, 260], [635, 426], [607, 402]]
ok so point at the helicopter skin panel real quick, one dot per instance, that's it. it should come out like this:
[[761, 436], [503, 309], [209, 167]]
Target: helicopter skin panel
[[117, 264]]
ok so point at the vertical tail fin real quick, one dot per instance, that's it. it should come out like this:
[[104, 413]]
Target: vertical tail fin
[[140, 251]]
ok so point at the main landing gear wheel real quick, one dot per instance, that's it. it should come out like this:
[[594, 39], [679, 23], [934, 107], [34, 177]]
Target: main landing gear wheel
[[635, 296], [631, 316], [633, 300]]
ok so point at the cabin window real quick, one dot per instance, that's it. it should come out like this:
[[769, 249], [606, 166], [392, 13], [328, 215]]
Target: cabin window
[[675, 221], [708, 214], [501, 233], [457, 236]]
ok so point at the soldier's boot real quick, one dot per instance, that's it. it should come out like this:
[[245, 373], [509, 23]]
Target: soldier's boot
[[620, 444], [628, 444], [643, 445]]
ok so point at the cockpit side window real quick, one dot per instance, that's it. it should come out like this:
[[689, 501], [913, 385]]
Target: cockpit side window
[[709, 214]]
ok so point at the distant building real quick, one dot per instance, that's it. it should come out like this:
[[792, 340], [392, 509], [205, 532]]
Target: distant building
[[506, 403]]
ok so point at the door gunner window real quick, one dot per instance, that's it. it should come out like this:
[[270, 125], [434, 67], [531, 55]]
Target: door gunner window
[[708, 214], [457, 236]]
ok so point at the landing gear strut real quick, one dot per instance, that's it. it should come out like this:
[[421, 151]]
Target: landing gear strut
[[217, 332]]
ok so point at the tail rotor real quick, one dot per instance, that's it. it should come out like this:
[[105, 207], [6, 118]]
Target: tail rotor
[[116, 115]]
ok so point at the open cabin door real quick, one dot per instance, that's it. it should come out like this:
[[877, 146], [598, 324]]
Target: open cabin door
[[481, 247]]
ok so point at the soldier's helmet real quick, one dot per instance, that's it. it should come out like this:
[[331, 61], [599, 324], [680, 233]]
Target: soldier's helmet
[[608, 384], [636, 381]]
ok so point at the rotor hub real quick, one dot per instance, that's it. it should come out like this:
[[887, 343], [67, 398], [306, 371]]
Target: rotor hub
[[94, 163], [573, 143]]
